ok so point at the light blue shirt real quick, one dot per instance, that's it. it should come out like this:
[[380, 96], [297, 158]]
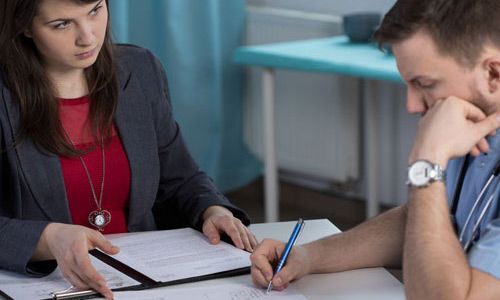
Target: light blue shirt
[[485, 252]]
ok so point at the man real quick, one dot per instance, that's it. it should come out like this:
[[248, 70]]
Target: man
[[448, 53]]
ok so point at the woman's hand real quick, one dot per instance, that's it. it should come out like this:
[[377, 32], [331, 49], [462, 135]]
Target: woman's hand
[[69, 246], [218, 219], [267, 255]]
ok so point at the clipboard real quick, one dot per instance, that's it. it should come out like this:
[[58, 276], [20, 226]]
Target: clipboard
[[151, 280], [147, 284]]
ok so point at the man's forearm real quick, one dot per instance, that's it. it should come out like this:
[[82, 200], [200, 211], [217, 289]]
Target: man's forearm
[[435, 266], [377, 242]]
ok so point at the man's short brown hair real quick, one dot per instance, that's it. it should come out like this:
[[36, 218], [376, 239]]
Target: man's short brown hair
[[460, 28]]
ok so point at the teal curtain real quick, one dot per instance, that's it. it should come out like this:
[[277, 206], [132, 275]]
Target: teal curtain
[[195, 40]]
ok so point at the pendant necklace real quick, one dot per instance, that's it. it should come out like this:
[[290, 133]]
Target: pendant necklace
[[99, 217]]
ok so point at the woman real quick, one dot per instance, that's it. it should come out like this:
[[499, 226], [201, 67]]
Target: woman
[[89, 144]]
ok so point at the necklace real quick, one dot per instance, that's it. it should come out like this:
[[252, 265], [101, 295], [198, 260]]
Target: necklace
[[99, 217]]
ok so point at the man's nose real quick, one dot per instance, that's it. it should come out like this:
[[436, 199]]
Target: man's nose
[[415, 103]]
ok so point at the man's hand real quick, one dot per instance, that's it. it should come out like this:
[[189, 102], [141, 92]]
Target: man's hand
[[452, 128], [268, 254], [69, 246], [217, 219]]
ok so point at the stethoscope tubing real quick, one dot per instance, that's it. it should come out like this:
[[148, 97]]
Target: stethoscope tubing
[[476, 203], [475, 227], [481, 217]]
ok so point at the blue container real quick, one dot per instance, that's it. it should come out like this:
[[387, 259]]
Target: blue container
[[359, 27]]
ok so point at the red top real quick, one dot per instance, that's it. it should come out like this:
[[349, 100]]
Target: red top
[[73, 115]]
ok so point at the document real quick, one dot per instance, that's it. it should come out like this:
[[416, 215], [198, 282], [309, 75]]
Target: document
[[215, 292], [146, 260], [18, 286], [176, 254]]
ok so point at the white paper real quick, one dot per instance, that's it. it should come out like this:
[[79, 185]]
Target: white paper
[[18, 286], [213, 292], [174, 254]]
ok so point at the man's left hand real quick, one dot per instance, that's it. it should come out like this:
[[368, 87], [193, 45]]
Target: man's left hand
[[450, 129]]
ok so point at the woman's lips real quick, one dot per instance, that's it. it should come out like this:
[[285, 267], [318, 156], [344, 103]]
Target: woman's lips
[[87, 54]]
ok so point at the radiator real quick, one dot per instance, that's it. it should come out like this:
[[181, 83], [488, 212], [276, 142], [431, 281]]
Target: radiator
[[317, 120]]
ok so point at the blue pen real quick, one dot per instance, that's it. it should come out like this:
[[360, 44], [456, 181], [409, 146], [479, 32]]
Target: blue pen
[[293, 238]]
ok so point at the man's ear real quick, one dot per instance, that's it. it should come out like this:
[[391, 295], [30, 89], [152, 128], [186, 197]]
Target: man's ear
[[492, 69]]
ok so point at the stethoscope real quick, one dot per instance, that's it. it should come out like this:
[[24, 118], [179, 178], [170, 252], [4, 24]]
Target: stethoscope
[[456, 198]]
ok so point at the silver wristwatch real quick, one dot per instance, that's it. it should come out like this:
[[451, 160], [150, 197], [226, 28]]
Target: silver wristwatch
[[422, 173]]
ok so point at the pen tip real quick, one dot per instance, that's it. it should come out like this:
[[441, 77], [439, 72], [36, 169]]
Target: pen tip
[[269, 288]]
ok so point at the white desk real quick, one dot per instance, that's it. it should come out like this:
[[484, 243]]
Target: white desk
[[373, 284]]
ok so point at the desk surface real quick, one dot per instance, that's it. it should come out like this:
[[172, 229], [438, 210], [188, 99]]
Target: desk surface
[[329, 55], [374, 284]]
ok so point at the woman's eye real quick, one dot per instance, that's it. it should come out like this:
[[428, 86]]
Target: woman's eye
[[95, 11], [61, 25]]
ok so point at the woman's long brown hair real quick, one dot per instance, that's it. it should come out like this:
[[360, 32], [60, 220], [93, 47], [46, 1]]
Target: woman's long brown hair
[[30, 86]]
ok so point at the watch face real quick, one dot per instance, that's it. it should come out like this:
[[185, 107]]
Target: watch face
[[419, 173]]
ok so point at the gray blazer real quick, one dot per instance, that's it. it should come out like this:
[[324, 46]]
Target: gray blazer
[[167, 188]]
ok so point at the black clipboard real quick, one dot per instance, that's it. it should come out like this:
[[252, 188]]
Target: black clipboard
[[145, 281]]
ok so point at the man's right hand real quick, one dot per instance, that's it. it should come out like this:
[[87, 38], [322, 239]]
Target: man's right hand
[[267, 255], [69, 246]]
